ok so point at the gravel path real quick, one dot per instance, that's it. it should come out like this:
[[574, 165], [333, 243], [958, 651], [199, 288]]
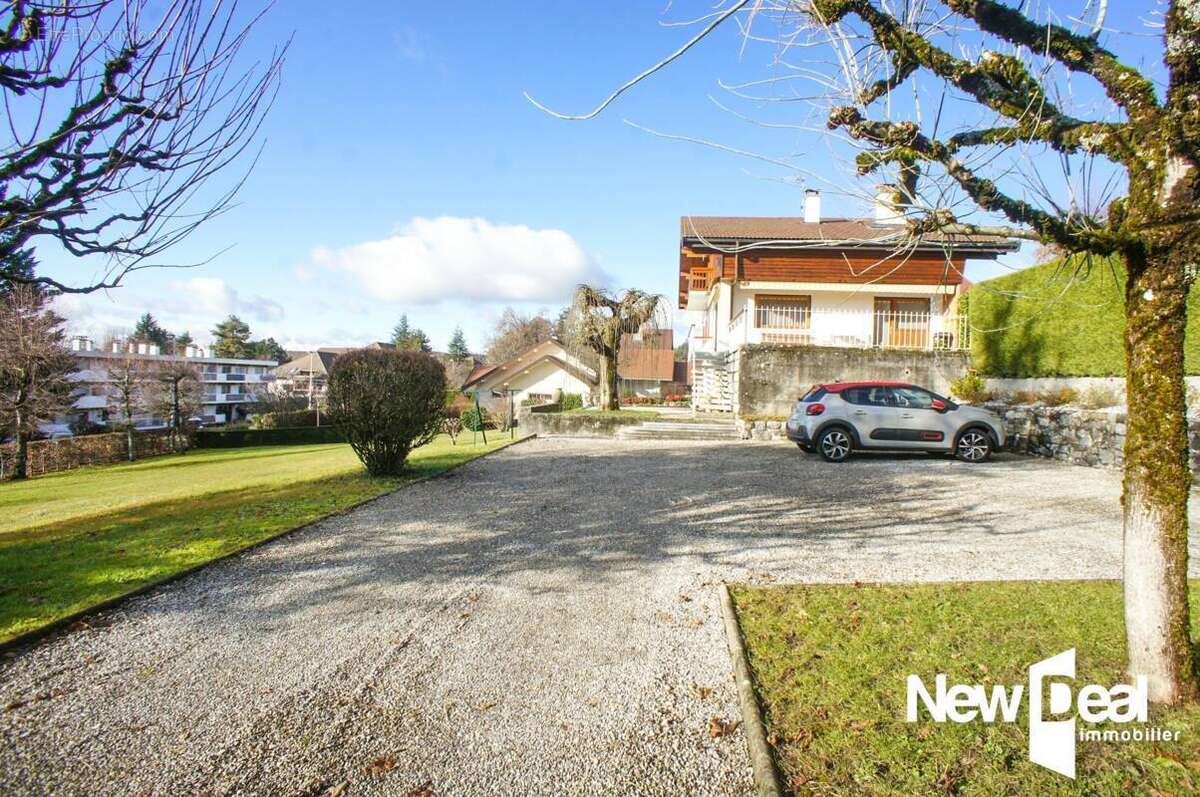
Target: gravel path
[[541, 621]]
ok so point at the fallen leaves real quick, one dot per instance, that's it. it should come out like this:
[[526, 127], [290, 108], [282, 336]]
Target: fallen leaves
[[339, 790], [381, 765], [424, 790], [702, 692], [719, 726]]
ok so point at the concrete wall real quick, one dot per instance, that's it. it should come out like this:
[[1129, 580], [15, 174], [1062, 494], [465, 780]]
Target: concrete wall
[[573, 424], [771, 378]]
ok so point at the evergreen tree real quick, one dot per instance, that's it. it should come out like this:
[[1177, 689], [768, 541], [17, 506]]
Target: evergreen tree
[[148, 330], [181, 341], [458, 345], [232, 338], [17, 269], [401, 333], [269, 349]]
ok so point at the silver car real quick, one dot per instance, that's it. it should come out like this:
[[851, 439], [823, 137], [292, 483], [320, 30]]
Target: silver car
[[838, 418]]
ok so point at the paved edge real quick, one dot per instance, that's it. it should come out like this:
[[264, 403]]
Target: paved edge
[[766, 776], [28, 639]]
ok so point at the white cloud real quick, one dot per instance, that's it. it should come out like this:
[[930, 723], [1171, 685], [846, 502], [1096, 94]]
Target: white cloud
[[430, 260], [211, 296]]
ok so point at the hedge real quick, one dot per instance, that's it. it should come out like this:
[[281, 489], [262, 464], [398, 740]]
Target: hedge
[[67, 453], [1049, 320], [291, 436]]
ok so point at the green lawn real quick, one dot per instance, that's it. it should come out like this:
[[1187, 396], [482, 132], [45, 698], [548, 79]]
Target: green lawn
[[830, 664], [70, 540]]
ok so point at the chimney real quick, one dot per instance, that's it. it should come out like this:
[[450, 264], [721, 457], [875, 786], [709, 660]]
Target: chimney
[[889, 205], [812, 206], [116, 347], [152, 349]]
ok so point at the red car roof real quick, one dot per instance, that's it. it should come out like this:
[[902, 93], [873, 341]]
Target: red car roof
[[836, 387]]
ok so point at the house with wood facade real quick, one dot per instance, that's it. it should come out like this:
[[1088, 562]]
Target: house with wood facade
[[858, 283]]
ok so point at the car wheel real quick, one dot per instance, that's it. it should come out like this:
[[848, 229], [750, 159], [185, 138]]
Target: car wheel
[[974, 445], [835, 445]]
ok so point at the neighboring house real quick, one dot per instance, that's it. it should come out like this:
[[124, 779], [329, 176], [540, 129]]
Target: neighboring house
[[533, 376], [646, 363], [828, 282], [306, 375], [229, 385]]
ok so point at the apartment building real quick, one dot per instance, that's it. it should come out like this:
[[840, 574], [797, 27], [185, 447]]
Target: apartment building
[[229, 385]]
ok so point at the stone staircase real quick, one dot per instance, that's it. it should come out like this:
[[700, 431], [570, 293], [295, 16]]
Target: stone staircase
[[705, 429]]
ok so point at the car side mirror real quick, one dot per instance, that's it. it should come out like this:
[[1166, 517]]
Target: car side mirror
[[938, 405]]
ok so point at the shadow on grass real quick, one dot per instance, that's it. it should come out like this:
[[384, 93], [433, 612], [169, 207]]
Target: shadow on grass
[[55, 570]]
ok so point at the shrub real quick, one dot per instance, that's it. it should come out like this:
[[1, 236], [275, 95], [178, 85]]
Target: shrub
[[387, 402], [570, 401], [1022, 397], [1056, 320], [970, 388], [475, 419], [1057, 396], [1098, 397]]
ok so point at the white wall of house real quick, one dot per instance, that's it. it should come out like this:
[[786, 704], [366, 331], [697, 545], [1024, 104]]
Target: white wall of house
[[544, 378]]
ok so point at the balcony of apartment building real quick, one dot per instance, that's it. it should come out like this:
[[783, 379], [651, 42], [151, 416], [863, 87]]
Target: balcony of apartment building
[[889, 324]]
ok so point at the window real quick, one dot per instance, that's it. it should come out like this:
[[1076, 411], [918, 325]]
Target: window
[[871, 396], [912, 398], [782, 312]]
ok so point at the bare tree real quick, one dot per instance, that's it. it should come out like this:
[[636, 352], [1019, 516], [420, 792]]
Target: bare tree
[[596, 323], [34, 364], [130, 378], [119, 112], [177, 395], [515, 332], [961, 106]]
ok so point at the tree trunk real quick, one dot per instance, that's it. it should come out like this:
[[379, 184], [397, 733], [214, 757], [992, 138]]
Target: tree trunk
[[1157, 477], [129, 441], [609, 398], [21, 444]]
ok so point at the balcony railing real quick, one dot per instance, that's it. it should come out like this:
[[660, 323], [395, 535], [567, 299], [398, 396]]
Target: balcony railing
[[862, 329], [699, 280]]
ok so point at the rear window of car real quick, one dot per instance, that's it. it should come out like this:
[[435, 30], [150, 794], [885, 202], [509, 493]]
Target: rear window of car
[[814, 393]]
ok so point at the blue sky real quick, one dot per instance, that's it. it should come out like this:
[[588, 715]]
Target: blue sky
[[403, 162]]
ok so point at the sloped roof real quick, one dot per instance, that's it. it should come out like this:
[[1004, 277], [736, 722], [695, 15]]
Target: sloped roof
[[319, 362], [648, 355], [834, 232], [548, 350]]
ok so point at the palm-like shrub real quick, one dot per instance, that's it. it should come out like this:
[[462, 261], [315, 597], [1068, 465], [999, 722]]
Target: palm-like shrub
[[386, 403]]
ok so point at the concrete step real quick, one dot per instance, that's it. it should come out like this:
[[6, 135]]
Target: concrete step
[[678, 431]]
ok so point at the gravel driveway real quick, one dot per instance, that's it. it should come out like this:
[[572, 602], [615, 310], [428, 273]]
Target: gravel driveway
[[541, 621]]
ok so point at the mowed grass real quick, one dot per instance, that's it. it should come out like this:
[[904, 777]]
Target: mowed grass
[[830, 664], [71, 540]]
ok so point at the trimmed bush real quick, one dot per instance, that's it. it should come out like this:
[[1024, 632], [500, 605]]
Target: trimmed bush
[[387, 402], [570, 401], [1049, 320], [242, 438]]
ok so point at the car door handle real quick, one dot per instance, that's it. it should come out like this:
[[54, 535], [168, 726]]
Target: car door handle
[[860, 412], [906, 415]]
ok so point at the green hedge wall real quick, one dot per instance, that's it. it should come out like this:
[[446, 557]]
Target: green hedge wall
[[1051, 320], [239, 438]]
